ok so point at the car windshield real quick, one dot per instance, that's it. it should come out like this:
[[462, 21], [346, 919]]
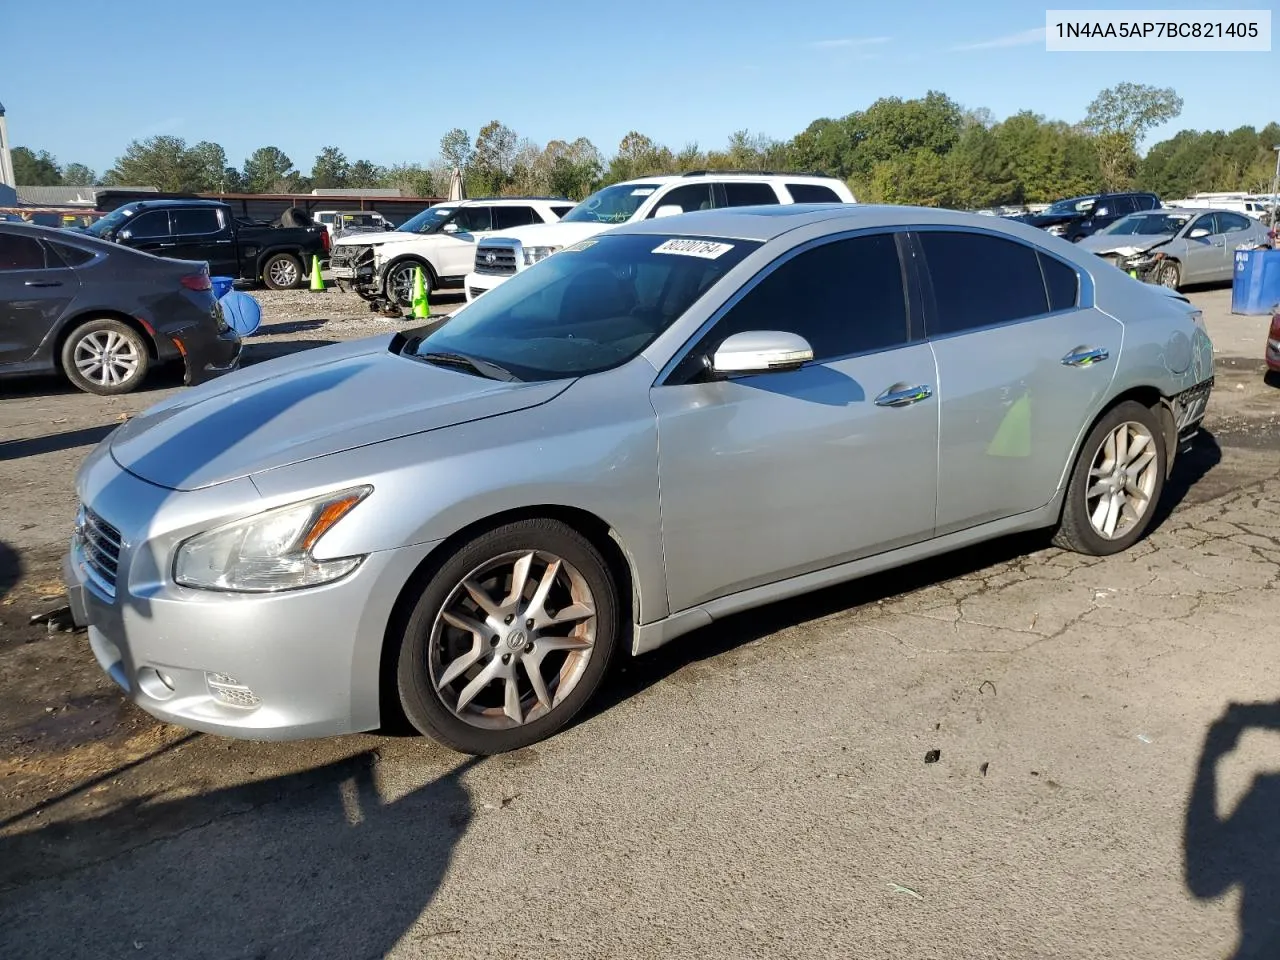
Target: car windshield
[[591, 307], [1147, 224], [111, 221], [616, 204], [426, 221], [1074, 205]]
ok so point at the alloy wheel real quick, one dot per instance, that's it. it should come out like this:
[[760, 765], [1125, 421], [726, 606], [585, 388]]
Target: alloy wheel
[[284, 272], [107, 358], [1122, 480], [512, 640]]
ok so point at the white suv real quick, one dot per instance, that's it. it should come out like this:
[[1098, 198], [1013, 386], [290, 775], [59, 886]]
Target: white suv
[[441, 239], [499, 257]]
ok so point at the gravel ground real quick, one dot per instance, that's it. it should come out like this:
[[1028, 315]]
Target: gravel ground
[[758, 789]]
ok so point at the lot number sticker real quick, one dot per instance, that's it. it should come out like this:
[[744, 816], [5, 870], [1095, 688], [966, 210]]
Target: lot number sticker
[[706, 249]]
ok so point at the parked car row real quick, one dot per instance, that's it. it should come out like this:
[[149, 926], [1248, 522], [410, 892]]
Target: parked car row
[[664, 422]]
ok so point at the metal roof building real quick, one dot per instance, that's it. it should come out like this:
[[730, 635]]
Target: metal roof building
[[86, 197]]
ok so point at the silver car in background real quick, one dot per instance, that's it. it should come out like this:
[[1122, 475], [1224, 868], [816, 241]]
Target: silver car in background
[[1177, 246], [658, 427]]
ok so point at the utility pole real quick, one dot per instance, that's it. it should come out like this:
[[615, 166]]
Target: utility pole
[[1275, 184], [6, 160]]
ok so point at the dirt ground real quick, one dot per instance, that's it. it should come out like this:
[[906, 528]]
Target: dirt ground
[[756, 791]]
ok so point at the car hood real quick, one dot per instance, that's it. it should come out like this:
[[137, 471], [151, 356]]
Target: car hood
[[551, 234], [376, 239], [1101, 243], [321, 401], [1047, 219]]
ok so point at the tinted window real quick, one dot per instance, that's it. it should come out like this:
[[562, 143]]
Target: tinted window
[[1204, 223], [1118, 206], [694, 196], [748, 194], [504, 217], [1145, 201], [1232, 222], [71, 256], [195, 220], [1062, 282], [152, 224], [20, 253], [471, 219], [812, 193], [843, 297], [980, 279], [560, 211]]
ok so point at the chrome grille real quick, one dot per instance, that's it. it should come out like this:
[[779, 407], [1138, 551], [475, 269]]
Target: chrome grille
[[496, 261], [475, 292], [100, 544]]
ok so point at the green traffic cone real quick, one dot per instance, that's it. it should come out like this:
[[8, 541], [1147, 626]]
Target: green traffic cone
[[421, 306], [317, 281]]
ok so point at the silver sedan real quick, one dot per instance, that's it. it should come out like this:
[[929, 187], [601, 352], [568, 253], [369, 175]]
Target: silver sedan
[[650, 430], [1177, 247]]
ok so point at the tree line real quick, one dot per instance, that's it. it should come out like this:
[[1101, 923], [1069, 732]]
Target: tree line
[[930, 151]]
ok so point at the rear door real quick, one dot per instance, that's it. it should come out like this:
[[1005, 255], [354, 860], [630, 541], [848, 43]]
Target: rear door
[[1023, 364], [204, 233], [35, 290], [1205, 256], [748, 193]]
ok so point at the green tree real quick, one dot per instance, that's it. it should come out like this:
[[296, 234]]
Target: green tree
[[330, 170], [35, 169], [493, 162], [411, 180], [638, 156], [364, 173], [922, 177], [207, 168], [162, 162], [1118, 118], [455, 149], [267, 169], [78, 175]]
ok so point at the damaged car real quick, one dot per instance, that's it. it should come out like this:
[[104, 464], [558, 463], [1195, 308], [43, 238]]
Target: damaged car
[[1176, 247]]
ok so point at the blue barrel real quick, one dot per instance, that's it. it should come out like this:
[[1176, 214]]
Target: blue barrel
[[1255, 283], [242, 312], [222, 286]]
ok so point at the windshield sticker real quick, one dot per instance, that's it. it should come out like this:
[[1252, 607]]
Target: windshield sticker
[[579, 246], [642, 191], [705, 249]]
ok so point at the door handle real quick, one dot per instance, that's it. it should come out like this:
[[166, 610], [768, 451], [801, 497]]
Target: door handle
[[1085, 357], [43, 283], [900, 396]]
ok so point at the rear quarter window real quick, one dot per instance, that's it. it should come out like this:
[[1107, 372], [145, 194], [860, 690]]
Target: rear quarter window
[[1061, 282]]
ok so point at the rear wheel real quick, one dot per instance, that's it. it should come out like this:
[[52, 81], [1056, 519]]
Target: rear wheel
[[105, 357], [510, 638], [282, 271], [1116, 483]]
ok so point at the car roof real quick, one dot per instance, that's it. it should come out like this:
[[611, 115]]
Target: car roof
[[764, 223], [663, 178], [193, 202], [503, 200]]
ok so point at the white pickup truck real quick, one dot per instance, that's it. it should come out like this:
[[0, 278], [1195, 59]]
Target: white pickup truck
[[441, 239], [500, 256]]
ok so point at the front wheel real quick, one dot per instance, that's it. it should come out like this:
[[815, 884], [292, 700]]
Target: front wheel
[[282, 271], [510, 639], [1169, 274], [400, 282], [1116, 484]]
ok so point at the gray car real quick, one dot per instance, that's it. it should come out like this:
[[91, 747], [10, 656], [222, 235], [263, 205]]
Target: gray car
[[1178, 246], [657, 427]]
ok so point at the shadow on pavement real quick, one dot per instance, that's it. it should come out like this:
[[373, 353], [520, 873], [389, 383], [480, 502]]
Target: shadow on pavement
[[1241, 849], [1188, 469], [311, 864], [10, 569], [53, 442]]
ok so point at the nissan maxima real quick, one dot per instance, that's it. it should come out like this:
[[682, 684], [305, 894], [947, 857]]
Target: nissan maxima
[[660, 426]]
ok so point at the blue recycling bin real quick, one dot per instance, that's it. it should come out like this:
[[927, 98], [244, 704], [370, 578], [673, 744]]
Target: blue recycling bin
[[222, 286], [1255, 282]]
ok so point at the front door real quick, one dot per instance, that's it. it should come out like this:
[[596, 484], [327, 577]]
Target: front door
[[1021, 367], [771, 476], [35, 290], [456, 250], [149, 231], [1206, 257]]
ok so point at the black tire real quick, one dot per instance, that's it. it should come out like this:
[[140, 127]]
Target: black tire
[[428, 278], [278, 268], [124, 347], [1076, 530], [424, 707], [1169, 274]]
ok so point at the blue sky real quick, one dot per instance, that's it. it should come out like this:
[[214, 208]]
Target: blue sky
[[677, 71]]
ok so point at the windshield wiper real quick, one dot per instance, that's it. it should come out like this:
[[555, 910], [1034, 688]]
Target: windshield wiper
[[485, 368]]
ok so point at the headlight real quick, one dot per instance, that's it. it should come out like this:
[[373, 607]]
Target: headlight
[[1058, 229], [533, 254], [268, 552]]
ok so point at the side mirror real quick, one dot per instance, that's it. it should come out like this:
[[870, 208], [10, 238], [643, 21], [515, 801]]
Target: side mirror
[[668, 210], [1100, 212], [761, 351], [449, 227], [123, 235], [1197, 233]]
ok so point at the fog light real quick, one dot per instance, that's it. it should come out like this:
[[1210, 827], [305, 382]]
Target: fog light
[[156, 685], [231, 691]]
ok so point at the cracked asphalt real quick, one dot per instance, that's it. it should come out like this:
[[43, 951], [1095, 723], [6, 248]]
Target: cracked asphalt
[[762, 788]]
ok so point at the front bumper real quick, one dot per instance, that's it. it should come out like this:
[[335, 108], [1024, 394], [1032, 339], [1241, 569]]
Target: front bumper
[[287, 666], [477, 283]]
